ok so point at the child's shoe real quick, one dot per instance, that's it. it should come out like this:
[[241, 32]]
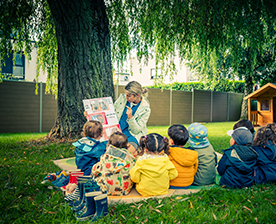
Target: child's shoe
[[101, 207], [81, 193], [90, 207], [88, 186], [77, 194]]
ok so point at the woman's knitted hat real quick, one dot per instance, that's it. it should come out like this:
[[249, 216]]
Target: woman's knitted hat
[[198, 136]]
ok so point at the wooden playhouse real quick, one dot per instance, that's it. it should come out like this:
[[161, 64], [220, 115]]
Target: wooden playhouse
[[262, 105]]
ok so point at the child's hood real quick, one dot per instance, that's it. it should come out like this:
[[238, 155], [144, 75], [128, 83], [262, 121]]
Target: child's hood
[[242, 157], [117, 159], [154, 167], [184, 157], [86, 144], [244, 153]]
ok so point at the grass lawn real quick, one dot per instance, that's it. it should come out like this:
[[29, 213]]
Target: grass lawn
[[25, 160]]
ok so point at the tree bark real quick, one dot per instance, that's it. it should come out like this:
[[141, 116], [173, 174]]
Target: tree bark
[[84, 61], [248, 88]]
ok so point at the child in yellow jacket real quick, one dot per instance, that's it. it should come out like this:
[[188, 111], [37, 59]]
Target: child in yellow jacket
[[185, 160], [153, 170]]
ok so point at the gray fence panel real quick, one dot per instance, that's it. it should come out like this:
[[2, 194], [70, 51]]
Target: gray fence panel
[[219, 107], [19, 107], [235, 106], [202, 106], [49, 110], [160, 107], [181, 107]]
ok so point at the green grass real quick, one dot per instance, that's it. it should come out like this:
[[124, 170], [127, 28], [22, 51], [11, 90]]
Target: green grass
[[24, 161]]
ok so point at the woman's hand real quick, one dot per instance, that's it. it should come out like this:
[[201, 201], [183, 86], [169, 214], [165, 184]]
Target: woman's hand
[[129, 112]]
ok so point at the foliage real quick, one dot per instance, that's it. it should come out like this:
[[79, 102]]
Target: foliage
[[223, 85], [25, 159], [205, 30]]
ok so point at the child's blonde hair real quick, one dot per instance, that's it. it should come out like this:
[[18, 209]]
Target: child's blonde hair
[[154, 143], [118, 139], [135, 88], [92, 129]]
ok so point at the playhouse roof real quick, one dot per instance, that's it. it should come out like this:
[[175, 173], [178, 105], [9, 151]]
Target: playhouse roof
[[262, 90]]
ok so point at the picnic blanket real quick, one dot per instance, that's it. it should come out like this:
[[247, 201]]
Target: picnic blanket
[[69, 163], [134, 196]]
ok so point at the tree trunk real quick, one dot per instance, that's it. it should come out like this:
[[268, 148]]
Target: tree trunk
[[248, 88], [84, 61]]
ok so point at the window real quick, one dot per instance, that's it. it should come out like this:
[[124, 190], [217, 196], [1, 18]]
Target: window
[[123, 77], [14, 69], [155, 74], [264, 104]]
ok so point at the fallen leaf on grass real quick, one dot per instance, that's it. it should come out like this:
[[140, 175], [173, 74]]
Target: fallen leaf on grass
[[191, 204], [139, 205], [157, 210], [123, 217], [215, 217], [225, 215], [256, 220], [178, 198], [247, 209], [270, 202], [184, 199]]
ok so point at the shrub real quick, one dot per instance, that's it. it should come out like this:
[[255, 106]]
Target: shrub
[[223, 85]]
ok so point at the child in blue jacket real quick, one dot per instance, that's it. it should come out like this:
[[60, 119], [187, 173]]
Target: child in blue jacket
[[236, 166], [265, 145], [89, 149]]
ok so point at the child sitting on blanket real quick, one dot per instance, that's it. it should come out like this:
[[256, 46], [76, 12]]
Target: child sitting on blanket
[[236, 167], [207, 158], [153, 170], [112, 172], [265, 145], [89, 149], [185, 160], [245, 123]]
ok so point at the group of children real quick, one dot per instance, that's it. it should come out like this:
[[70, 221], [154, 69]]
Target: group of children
[[161, 163], [164, 163], [251, 159]]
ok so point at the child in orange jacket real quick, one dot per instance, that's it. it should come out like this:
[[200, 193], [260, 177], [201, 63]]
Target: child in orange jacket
[[185, 160]]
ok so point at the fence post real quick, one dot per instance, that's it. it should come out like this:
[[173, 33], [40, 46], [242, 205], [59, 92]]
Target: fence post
[[228, 105], [40, 107], [170, 106], [117, 87], [211, 109], [192, 107]]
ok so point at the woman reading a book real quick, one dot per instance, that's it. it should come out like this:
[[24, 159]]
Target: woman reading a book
[[133, 110]]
